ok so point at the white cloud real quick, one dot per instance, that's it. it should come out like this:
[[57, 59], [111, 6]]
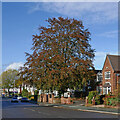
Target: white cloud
[[100, 58], [109, 34], [60, 0], [91, 11], [15, 66]]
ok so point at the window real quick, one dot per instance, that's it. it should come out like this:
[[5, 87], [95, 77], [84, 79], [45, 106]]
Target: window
[[99, 77], [107, 75]]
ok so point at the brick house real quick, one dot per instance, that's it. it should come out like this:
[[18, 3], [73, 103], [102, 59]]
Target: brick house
[[98, 81], [111, 74]]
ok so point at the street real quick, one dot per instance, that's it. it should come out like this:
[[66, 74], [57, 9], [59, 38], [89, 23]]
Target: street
[[29, 110]]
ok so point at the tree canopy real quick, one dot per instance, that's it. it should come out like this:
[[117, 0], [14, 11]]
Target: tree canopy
[[62, 56], [8, 77]]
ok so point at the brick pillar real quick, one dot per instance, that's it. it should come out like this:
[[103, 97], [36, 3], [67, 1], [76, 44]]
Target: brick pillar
[[48, 98], [62, 100], [69, 98], [52, 97], [44, 98], [40, 97], [93, 101], [86, 100]]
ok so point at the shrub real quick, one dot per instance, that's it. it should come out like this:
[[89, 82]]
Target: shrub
[[20, 94], [25, 93], [97, 99], [56, 97], [36, 92], [91, 95], [111, 101]]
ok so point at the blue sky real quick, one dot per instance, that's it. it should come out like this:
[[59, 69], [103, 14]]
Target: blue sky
[[20, 20]]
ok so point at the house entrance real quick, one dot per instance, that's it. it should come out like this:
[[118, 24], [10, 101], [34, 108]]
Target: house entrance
[[106, 88]]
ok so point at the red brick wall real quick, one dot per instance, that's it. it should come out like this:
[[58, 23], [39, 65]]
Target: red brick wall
[[113, 78], [63, 100], [107, 67], [66, 100]]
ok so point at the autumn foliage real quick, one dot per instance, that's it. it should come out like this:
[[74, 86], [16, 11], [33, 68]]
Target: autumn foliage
[[62, 56]]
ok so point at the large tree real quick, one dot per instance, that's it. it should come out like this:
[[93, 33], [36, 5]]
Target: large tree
[[62, 56]]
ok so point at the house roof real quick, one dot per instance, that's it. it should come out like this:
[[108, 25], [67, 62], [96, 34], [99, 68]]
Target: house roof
[[97, 71], [115, 62]]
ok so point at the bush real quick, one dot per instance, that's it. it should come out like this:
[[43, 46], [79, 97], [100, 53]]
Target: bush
[[56, 97], [97, 99], [25, 93], [111, 101], [20, 94], [91, 95], [36, 92]]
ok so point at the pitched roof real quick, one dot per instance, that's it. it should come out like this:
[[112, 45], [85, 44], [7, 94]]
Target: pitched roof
[[97, 71], [115, 62]]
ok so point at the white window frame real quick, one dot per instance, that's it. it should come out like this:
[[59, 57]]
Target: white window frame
[[108, 72], [99, 75]]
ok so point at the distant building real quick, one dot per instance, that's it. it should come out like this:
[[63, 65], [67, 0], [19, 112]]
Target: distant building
[[99, 81]]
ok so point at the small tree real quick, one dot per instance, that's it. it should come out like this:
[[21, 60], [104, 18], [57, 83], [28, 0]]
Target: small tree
[[8, 78]]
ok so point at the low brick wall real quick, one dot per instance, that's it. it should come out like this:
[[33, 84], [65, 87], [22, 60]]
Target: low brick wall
[[42, 98], [56, 100], [51, 99], [66, 100]]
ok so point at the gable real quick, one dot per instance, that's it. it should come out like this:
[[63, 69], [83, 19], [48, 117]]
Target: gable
[[107, 65]]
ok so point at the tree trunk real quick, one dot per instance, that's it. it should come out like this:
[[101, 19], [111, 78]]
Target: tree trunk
[[20, 90], [8, 92]]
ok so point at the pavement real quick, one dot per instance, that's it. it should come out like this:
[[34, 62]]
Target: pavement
[[82, 107]]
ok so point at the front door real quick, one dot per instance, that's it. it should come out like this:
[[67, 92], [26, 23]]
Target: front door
[[108, 90]]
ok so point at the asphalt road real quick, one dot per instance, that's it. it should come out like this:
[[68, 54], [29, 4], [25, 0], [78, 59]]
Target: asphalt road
[[29, 110]]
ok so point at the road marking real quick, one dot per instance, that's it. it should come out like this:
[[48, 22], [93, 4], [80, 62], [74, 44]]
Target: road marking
[[29, 109], [32, 110], [99, 111], [39, 112], [55, 106], [92, 111]]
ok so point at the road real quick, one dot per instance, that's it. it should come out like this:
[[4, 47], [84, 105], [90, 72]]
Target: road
[[29, 110]]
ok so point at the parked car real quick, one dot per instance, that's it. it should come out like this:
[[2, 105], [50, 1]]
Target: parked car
[[14, 99], [10, 96], [3, 96], [16, 95], [24, 99], [19, 97]]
